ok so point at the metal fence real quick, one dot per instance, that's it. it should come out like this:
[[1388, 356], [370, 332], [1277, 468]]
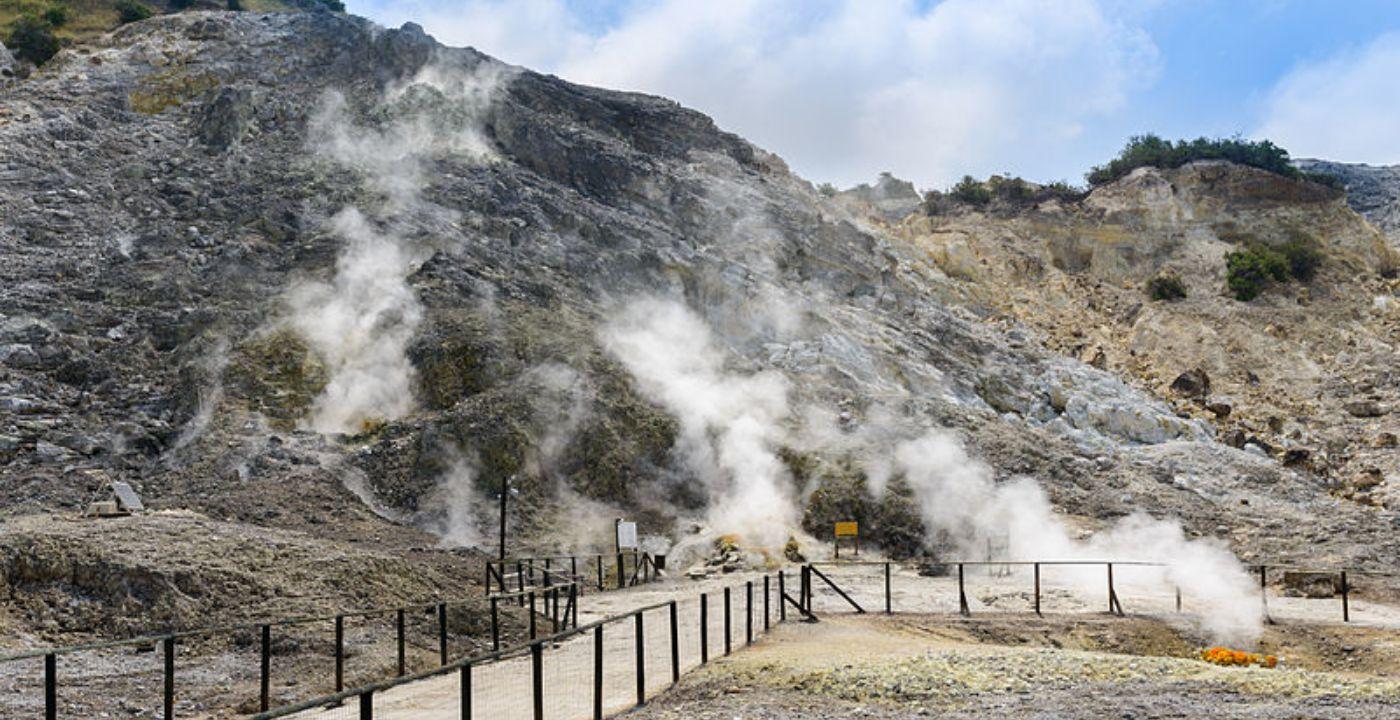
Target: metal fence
[[517, 574], [588, 671], [629, 656], [414, 635]]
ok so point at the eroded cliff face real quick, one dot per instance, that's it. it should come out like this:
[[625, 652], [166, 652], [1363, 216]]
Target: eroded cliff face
[[288, 269], [1303, 373]]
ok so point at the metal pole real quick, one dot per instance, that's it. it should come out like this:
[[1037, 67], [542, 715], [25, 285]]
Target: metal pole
[[573, 601], [399, 631], [573, 568], [598, 673], [367, 705], [339, 653], [1113, 605], [495, 626], [675, 646], [704, 628], [1037, 588], [442, 632], [748, 612], [641, 663], [51, 687], [537, 678], [600, 573], [782, 605], [1346, 599], [505, 490], [169, 678], [554, 615], [520, 580], [621, 572], [1178, 598], [962, 594], [533, 634], [1264, 592], [765, 603], [888, 605], [465, 702], [726, 621], [265, 668]]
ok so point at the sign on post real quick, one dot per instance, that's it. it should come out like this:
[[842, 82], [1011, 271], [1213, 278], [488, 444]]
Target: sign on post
[[626, 535], [848, 529]]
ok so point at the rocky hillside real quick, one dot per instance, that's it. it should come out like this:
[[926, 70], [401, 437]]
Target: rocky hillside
[[1372, 190], [1303, 373], [295, 271]]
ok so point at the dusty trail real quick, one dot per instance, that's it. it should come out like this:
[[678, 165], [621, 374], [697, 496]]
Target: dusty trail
[[997, 600]]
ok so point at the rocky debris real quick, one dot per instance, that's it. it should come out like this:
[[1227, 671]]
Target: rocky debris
[[7, 65], [726, 558], [1372, 190], [889, 199], [225, 118], [1365, 409], [1220, 407], [1300, 583], [1194, 383]]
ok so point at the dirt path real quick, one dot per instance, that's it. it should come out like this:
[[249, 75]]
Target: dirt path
[[998, 600]]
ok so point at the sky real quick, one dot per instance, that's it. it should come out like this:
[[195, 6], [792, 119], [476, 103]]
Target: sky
[[931, 90]]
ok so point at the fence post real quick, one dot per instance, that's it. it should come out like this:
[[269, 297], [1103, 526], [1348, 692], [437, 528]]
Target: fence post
[[600, 573], [573, 568], [1037, 588], [1346, 599], [675, 647], [532, 615], [748, 612], [537, 678], [265, 668], [621, 573], [889, 607], [765, 603], [339, 653], [1264, 592], [704, 628], [50, 687], [465, 702], [520, 580], [573, 601], [495, 626], [641, 662], [598, 671], [782, 593], [169, 678], [442, 633], [399, 626], [962, 594], [1114, 606], [554, 603], [1178, 598], [726, 621], [367, 705]]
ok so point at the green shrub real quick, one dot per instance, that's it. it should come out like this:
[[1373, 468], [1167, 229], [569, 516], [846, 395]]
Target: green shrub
[[1166, 286], [181, 4], [1246, 274], [32, 39], [1151, 150], [129, 11], [55, 15], [969, 190], [827, 189], [1302, 256], [235, 5]]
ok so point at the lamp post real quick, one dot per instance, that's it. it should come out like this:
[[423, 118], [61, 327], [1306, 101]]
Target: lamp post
[[507, 489]]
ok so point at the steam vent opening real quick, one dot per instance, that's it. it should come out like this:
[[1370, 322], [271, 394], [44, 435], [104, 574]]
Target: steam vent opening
[[502, 360]]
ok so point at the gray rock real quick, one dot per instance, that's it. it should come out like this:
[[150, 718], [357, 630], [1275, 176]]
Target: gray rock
[[7, 64], [1365, 409], [1192, 383], [225, 118]]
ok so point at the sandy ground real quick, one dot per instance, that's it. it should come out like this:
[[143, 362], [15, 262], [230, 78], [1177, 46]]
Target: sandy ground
[[1074, 661]]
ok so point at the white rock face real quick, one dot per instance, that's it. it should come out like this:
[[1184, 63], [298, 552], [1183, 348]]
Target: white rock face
[[7, 64]]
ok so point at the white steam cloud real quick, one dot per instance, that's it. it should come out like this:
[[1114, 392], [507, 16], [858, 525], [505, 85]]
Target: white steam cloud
[[730, 423], [361, 322], [958, 496]]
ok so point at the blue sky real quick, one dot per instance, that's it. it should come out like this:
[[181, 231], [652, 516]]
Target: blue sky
[[930, 90]]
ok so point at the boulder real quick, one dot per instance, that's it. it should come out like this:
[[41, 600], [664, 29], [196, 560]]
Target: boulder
[[1192, 383], [1220, 407], [1365, 408], [225, 117]]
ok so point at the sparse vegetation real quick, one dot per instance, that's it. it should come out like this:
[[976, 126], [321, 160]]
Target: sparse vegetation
[[31, 38], [1152, 151], [971, 191], [1250, 271], [1166, 287], [55, 15], [1247, 274], [827, 189], [129, 11]]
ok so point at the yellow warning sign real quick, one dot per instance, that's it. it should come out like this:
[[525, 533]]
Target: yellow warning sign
[[847, 529]]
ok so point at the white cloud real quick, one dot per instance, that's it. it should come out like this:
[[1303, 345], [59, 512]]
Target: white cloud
[[844, 89], [1344, 108]]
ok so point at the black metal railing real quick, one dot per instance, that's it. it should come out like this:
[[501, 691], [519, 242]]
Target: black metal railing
[[559, 607], [517, 574]]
